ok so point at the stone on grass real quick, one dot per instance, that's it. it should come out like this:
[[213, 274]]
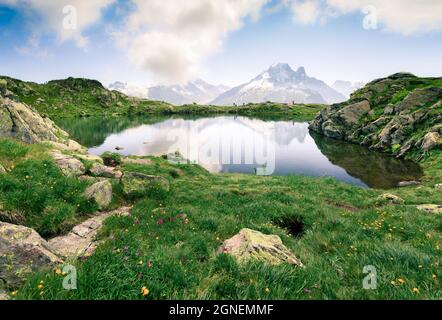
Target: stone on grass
[[390, 198], [69, 146], [81, 241], [89, 157], [137, 184], [430, 141], [430, 208], [23, 251], [253, 245], [2, 169], [101, 192], [408, 183], [100, 170], [69, 165], [3, 296]]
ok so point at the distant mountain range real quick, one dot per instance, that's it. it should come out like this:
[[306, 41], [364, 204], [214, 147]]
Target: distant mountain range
[[280, 83], [197, 91]]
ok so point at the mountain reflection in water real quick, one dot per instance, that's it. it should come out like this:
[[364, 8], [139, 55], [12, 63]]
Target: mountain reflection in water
[[289, 145]]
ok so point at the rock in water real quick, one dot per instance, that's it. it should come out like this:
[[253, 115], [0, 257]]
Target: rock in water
[[68, 164], [23, 251], [251, 244], [430, 208], [137, 184], [101, 192]]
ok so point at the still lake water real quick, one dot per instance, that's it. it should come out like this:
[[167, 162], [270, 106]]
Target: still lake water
[[228, 144]]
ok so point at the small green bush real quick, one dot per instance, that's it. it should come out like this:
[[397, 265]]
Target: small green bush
[[111, 159]]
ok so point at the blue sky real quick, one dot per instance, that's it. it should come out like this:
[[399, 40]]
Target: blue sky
[[148, 42]]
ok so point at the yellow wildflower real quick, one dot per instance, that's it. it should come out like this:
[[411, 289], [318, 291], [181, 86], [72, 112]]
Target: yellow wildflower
[[434, 276], [401, 281], [267, 290], [58, 271], [144, 291], [415, 290]]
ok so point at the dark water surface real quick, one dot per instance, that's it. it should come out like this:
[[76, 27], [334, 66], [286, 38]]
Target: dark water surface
[[243, 145]]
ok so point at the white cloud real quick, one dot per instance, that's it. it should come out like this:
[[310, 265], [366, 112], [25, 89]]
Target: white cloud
[[171, 38], [401, 16], [51, 16], [33, 48], [306, 12]]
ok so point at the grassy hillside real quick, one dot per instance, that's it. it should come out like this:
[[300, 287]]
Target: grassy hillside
[[168, 243], [82, 97]]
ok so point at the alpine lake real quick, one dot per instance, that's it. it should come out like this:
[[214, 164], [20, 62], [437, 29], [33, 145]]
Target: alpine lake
[[230, 144]]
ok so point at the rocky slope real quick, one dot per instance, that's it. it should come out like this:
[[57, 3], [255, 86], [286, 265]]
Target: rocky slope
[[397, 114], [22, 122]]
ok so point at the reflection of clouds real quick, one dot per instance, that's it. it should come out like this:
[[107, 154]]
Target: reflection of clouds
[[230, 144]]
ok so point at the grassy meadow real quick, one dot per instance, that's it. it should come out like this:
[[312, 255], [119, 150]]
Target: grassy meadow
[[168, 244]]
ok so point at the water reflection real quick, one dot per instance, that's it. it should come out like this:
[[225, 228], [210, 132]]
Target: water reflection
[[240, 144]]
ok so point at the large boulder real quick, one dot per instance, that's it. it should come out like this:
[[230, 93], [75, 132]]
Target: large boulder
[[23, 251], [21, 122], [69, 165], [137, 184], [101, 192], [351, 114], [253, 245]]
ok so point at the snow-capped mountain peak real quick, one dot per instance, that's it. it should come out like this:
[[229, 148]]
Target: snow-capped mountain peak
[[197, 91], [280, 83]]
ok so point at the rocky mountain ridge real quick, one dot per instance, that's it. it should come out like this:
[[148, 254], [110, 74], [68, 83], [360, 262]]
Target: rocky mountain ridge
[[397, 114]]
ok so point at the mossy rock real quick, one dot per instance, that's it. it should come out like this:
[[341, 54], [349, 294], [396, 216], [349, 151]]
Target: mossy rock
[[137, 185], [253, 245]]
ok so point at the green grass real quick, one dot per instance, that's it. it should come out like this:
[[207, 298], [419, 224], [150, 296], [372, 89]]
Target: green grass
[[169, 244], [36, 192]]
